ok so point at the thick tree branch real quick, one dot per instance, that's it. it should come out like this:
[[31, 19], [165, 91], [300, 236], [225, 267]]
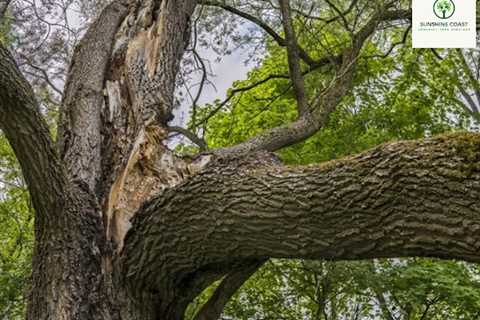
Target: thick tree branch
[[80, 121], [27, 133], [66, 218], [411, 198]]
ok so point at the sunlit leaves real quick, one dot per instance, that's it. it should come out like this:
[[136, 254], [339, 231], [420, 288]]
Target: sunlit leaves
[[407, 94], [16, 236]]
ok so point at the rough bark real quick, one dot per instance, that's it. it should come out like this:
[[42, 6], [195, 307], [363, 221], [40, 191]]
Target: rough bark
[[80, 125], [22, 123], [414, 198], [220, 215], [67, 280], [294, 66]]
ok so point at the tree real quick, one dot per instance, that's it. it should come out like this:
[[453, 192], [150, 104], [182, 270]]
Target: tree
[[125, 229], [329, 290]]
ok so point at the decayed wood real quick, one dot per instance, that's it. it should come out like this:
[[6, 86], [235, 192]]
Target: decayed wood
[[140, 87]]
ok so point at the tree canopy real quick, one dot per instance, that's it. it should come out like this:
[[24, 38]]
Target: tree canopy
[[392, 101]]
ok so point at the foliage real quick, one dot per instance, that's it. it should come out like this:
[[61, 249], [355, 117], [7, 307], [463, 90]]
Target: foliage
[[385, 105], [385, 289], [16, 227], [16, 236], [4, 28], [410, 94]]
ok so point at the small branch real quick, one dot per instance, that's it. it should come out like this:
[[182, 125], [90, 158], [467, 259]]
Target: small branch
[[293, 58], [436, 54], [318, 64], [470, 108], [427, 307], [44, 74], [191, 136], [325, 20], [395, 44], [202, 85], [341, 15], [281, 41], [322, 105], [470, 76], [235, 91], [469, 99], [454, 99]]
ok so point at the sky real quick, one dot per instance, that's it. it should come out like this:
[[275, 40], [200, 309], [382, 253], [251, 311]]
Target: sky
[[231, 68]]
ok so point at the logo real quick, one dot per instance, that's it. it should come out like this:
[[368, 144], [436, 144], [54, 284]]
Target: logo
[[444, 9], [444, 23]]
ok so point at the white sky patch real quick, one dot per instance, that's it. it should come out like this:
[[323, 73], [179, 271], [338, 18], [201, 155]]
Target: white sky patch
[[230, 69]]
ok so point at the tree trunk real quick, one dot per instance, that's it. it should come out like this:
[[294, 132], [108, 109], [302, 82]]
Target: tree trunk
[[126, 230], [67, 279]]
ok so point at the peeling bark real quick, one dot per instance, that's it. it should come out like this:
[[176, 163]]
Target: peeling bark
[[140, 86]]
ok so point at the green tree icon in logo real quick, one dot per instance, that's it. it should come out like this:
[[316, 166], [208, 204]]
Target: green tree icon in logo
[[444, 9]]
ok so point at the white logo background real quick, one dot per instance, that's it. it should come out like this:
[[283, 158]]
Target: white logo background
[[460, 31]]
